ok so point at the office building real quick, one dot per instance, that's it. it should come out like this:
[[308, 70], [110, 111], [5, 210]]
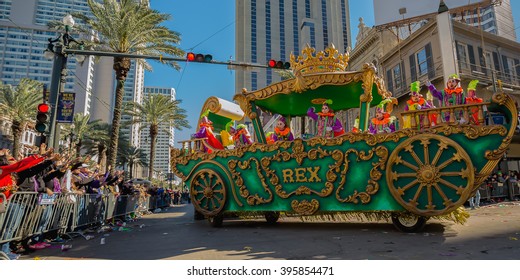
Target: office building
[[23, 39], [273, 29], [496, 19], [164, 140]]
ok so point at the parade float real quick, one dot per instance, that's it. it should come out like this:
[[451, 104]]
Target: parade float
[[407, 176]]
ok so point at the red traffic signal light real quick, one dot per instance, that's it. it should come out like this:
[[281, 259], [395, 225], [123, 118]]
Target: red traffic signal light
[[43, 108], [278, 64], [199, 57], [42, 117], [190, 56]]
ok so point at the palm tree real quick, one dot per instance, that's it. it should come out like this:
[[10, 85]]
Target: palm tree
[[84, 128], [132, 157], [157, 109], [19, 104], [128, 27], [99, 140], [101, 137]]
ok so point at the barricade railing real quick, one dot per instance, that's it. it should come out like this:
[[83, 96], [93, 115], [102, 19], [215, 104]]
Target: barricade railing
[[485, 192], [20, 217], [89, 209], [496, 190], [159, 201], [28, 214], [514, 187]]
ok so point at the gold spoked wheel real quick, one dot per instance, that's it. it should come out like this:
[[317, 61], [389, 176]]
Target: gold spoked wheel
[[208, 192], [430, 175]]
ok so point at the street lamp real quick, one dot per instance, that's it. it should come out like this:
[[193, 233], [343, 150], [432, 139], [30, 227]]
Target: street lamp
[[59, 73]]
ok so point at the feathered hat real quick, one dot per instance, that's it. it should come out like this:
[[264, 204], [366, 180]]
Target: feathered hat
[[415, 87], [204, 117], [229, 125], [389, 102], [472, 85], [328, 102], [454, 77]]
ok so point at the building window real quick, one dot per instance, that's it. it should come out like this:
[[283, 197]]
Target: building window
[[462, 53], [397, 77], [422, 63]]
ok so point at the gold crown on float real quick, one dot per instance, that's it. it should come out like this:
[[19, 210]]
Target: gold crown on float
[[329, 60]]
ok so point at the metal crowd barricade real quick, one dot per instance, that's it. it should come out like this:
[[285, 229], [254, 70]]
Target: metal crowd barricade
[[125, 204], [514, 188], [485, 192], [24, 215], [3, 210], [88, 210], [111, 200], [19, 218]]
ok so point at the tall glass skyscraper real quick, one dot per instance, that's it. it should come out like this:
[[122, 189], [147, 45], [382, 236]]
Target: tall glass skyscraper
[[164, 141], [272, 29], [23, 39]]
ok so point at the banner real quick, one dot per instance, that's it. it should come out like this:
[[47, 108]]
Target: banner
[[66, 107]]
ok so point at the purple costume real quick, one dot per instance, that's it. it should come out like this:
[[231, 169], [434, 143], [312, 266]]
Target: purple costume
[[326, 121], [449, 97]]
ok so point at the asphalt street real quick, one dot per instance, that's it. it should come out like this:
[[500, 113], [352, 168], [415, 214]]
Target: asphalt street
[[492, 232]]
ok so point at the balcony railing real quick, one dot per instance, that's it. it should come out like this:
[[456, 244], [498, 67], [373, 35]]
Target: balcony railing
[[422, 119]]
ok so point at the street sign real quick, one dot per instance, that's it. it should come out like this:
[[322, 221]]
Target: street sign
[[66, 102]]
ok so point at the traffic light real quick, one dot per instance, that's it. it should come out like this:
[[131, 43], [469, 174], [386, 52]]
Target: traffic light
[[199, 57], [42, 117], [278, 64]]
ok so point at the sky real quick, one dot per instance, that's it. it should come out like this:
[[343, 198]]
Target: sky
[[208, 27]]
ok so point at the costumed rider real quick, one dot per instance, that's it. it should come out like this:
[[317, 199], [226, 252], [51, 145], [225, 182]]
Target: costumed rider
[[383, 122], [415, 103], [327, 125], [282, 132], [206, 131], [452, 95], [242, 136], [473, 99], [431, 116], [227, 135], [355, 129], [269, 137]]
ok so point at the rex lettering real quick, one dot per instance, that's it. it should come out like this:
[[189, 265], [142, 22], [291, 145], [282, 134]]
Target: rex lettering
[[301, 174]]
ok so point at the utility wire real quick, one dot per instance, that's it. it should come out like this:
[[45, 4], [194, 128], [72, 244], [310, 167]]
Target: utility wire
[[220, 30], [200, 43]]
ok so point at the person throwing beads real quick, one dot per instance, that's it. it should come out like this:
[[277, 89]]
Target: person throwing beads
[[473, 99], [327, 125], [452, 95]]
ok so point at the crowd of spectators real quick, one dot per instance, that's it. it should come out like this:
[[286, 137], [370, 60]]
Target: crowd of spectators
[[47, 172], [499, 186]]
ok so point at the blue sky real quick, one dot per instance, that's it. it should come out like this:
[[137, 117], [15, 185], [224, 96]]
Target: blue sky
[[208, 26]]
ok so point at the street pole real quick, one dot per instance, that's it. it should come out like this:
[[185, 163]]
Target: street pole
[[58, 80], [161, 58]]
